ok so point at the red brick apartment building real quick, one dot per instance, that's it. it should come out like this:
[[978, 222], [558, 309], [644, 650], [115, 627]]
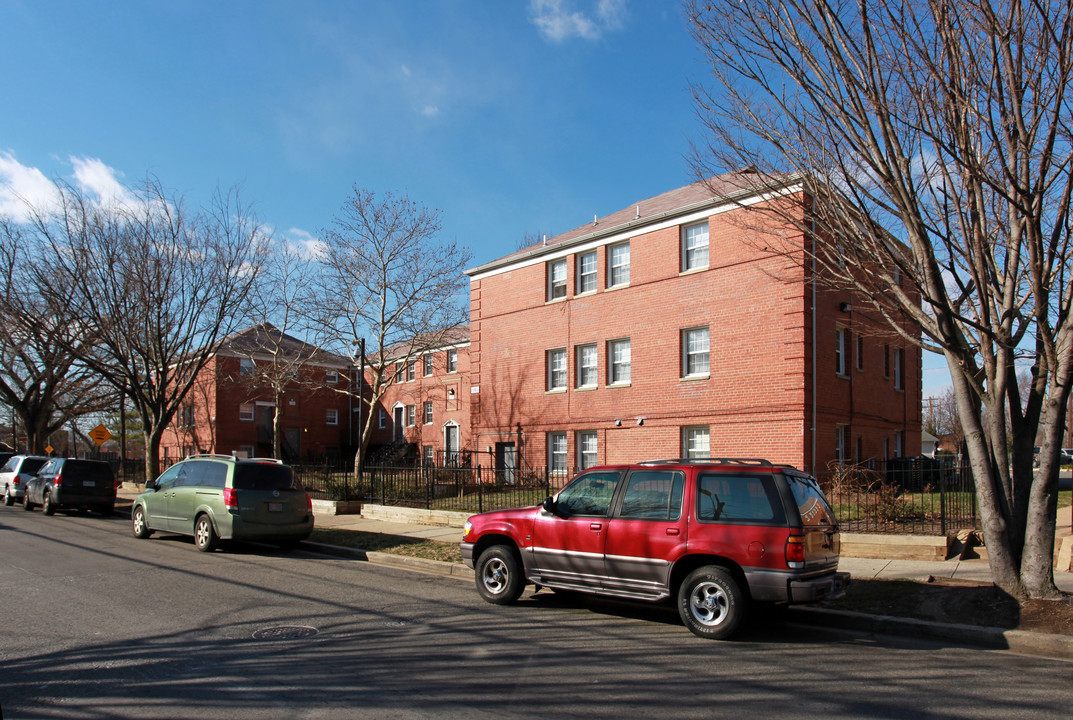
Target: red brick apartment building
[[665, 330], [427, 406], [231, 406]]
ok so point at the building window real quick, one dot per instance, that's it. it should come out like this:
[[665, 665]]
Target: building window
[[586, 366], [886, 361], [331, 376], [860, 352], [246, 366], [411, 415], [331, 416], [428, 455], [695, 352], [618, 265], [399, 369], [840, 350], [186, 415], [696, 442], [586, 272], [452, 361], [556, 360], [428, 412], [381, 418], [618, 353], [586, 449], [899, 444], [557, 279], [248, 450], [410, 371], [695, 246], [840, 444], [899, 367], [557, 453], [427, 366], [245, 412]]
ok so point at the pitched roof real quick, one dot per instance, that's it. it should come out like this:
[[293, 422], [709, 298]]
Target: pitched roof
[[726, 188], [266, 339], [425, 342]]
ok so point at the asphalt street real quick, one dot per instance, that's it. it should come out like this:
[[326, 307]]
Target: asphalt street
[[99, 624]]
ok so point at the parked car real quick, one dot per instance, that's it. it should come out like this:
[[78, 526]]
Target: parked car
[[16, 473], [713, 535], [220, 497], [69, 483]]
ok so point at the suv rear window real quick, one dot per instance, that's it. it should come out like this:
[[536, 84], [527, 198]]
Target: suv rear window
[[810, 500], [264, 476], [89, 469], [742, 497]]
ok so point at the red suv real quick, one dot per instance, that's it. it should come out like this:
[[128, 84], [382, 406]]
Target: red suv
[[713, 533]]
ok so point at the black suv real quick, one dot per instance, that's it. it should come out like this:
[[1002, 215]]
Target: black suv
[[74, 484]]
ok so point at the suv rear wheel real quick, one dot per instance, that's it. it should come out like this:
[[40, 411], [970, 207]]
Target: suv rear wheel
[[711, 603], [499, 575], [47, 506]]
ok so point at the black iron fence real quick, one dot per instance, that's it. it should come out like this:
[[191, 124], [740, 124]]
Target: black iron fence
[[912, 496]]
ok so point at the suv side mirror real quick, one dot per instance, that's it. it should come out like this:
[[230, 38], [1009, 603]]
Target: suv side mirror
[[552, 507], [150, 484]]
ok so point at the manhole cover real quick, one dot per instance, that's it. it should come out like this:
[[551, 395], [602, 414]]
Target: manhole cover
[[285, 632]]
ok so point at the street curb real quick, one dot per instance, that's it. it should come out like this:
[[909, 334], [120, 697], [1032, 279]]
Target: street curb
[[436, 567], [1019, 641]]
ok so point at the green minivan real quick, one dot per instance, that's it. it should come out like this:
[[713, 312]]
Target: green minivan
[[220, 497]]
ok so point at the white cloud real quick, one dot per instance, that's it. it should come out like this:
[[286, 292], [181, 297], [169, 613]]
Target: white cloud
[[558, 21], [23, 190], [97, 179], [303, 244]]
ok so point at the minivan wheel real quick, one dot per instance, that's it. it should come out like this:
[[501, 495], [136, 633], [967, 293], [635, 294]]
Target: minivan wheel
[[711, 603], [47, 506], [204, 534], [9, 499], [499, 575], [26, 504], [138, 524]]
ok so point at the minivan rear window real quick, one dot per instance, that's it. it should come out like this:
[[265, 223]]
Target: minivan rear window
[[31, 465], [264, 476]]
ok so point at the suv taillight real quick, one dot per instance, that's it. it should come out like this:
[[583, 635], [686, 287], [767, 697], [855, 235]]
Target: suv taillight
[[58, 480], [795, 551], [231, 498], [309, 503]]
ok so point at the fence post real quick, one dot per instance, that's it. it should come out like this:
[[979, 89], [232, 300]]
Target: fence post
[[480, 491], [428, 488], [942, 499]]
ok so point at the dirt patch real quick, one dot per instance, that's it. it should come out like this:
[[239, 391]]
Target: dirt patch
[[952, 601]]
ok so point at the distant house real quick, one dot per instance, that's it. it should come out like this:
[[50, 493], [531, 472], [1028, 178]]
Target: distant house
[[233, 403], [425, 412], [929, 444]]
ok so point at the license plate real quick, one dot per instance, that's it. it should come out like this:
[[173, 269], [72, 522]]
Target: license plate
[[89, 483], [275, 507]]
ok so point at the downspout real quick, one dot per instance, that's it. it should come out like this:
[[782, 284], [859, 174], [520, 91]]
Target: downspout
[[812, 457]]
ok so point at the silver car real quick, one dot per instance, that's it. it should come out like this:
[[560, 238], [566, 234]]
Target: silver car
[[16, 473]]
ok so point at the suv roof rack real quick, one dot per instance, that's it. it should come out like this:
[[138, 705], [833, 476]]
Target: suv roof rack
[[710, 461], [221, 456]]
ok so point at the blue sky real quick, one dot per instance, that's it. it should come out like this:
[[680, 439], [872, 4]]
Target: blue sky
[[511, 117]]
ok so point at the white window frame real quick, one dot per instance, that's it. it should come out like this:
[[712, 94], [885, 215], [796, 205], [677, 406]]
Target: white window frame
[[557, 277], [245, 412], [587, 449], [555, 360], [696, 441], [619, 365], [426, 366], [696, 355], [587, 364], [618, 265], [381, 418], [427, 412], [411, 371], [841, 366], [558, 453], [246, 366], [452, 360], [411, 415], [587, 266], [331, 377], [695, 253], [840, 443], [899, 443], [899, 369], [331, 416]]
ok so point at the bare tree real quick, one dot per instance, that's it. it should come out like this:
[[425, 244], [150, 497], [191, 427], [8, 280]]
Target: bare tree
[[943, 418], [932, 142], [388, 282], [41, 377], [154, 284], [279, 362]]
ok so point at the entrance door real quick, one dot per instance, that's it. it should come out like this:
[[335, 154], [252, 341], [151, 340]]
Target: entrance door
[[506, 462], [396, 432], [450, 444]]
